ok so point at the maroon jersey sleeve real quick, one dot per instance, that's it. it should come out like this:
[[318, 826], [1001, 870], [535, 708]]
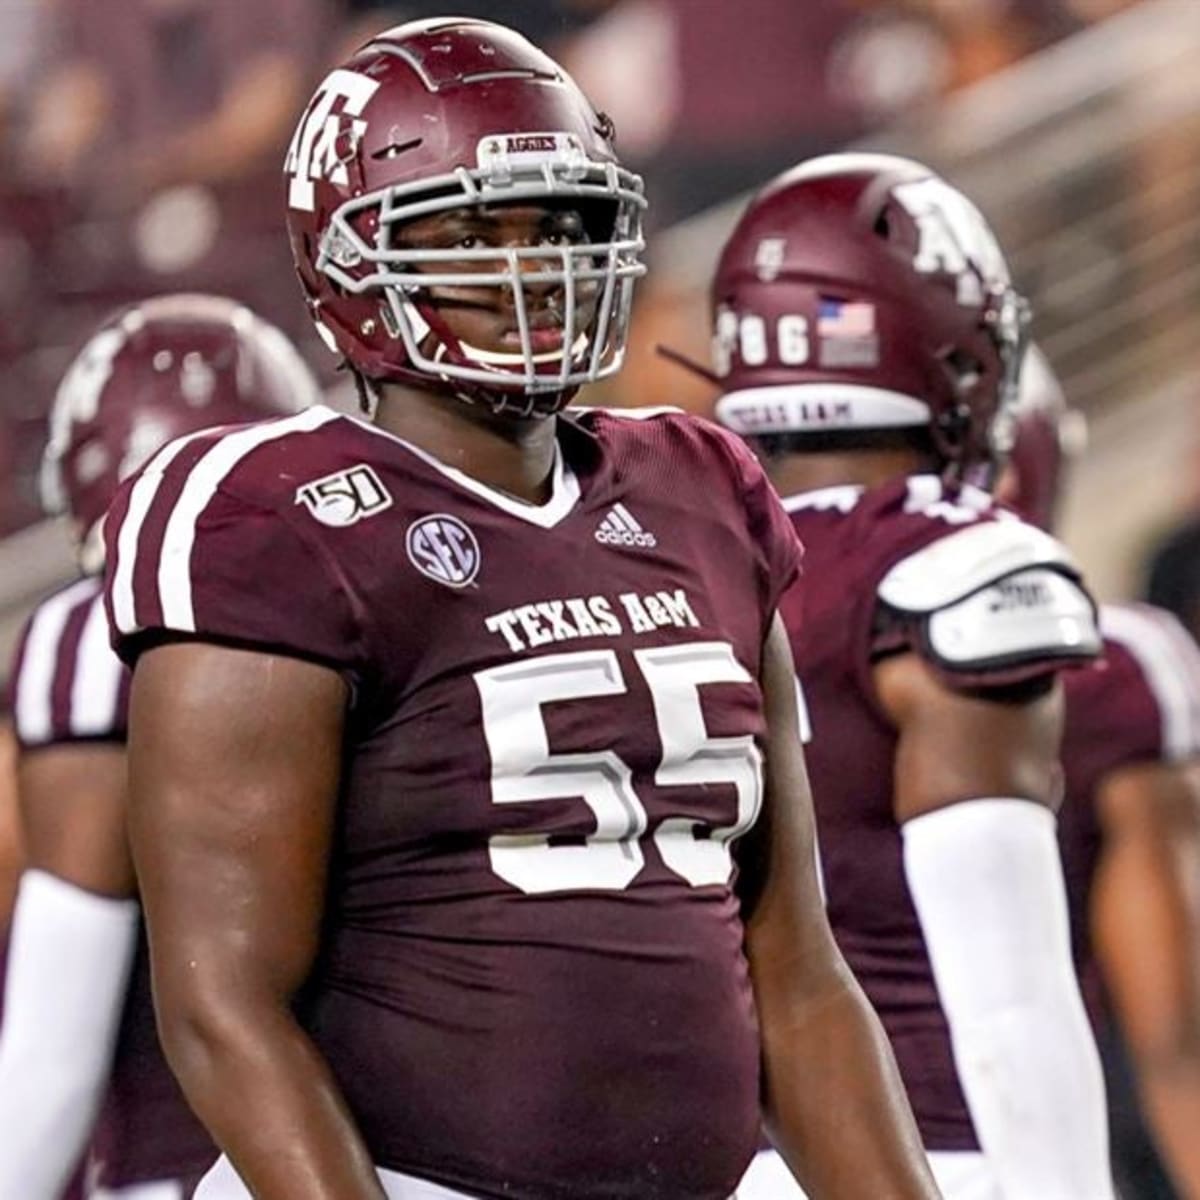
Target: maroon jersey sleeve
[[195, 553], [67, 684], [1153, 682], [771, 529]]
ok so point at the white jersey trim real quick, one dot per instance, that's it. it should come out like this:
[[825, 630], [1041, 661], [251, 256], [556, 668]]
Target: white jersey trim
[[843, 497], [141, 499], [174, 557], [564, 486], [96, 688], [34, 707], [628, 414], [1170, 662]]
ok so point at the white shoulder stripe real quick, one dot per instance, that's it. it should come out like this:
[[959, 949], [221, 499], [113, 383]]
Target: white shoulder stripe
[[174, 566], [843, 497], [34, 707], [140, 501], [96, 688], [1170, 661]]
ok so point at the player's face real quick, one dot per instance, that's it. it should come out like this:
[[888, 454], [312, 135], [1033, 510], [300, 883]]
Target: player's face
[[486, 316]]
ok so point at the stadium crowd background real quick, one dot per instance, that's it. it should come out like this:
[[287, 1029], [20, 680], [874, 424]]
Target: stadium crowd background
[[141, 145]]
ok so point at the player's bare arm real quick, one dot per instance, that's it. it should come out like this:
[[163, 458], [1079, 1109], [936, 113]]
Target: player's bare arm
[[10, 830], [852, 1134], [1145, 915], [234, 765], [957, 746], [73, 800]]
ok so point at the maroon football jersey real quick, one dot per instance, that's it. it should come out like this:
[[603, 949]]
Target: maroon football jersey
[[533, 982], [68, 687], [1144, 707], [854, 539]]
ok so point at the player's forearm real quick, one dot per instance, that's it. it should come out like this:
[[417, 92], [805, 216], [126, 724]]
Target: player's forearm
[[1035, 1090], [836, 1108], [67, 973], [1170, 1090], [986, 878], [269, 1100]]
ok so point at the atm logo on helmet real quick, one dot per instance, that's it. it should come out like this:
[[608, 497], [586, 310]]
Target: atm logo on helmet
[[327, 136], [954, 238]]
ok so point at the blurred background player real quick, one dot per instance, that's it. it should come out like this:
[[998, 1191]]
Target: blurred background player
[[10, 830], [867, 343], [1173, 573], [444, 726], [78, 1036], [1129, 827]]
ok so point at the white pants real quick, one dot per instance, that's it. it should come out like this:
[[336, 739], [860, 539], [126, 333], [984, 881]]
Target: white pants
[[164, 1190], [222, 1183], [960, 1174]]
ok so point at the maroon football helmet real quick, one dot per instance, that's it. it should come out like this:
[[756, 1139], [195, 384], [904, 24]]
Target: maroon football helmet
[[863, 292], [444, 114], [152, 372], [1049, 434]]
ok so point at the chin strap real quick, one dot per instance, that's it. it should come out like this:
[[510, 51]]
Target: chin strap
[[517, 404], [688, 364]]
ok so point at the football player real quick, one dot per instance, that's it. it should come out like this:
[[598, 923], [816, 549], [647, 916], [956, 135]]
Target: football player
[[868, 340], [78, 1038], [1130, 823], [446, 729]]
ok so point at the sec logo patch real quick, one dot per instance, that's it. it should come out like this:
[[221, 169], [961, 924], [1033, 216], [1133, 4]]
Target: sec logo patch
[[444, 549]]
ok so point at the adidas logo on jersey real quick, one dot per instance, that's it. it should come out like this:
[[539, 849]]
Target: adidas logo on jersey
[[621, 528]]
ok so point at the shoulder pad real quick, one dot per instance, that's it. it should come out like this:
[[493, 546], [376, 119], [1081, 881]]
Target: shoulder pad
[[967, 560], [1030, 617]]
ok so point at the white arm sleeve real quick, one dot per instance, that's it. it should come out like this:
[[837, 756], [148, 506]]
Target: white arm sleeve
[[986, 879], [68, 971]]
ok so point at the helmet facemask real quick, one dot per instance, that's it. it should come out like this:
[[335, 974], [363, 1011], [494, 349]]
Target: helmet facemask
[[363, 251], [975, 451]]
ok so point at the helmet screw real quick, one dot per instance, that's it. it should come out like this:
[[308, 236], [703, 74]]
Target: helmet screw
[[367, 328]]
